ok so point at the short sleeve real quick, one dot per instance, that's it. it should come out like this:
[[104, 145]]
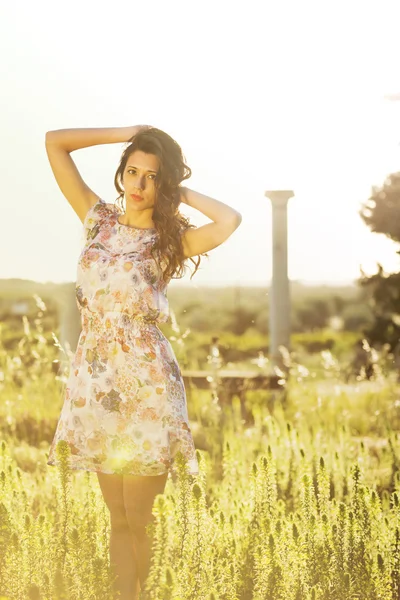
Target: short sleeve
[[93, 219]]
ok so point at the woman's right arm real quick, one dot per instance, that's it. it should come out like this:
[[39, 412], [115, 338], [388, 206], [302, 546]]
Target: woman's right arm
[[59, 144], [74, 139]]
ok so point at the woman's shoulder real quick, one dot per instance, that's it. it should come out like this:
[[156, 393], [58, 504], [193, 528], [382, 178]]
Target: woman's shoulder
[[102, 207], [96, 217], [99, 210]]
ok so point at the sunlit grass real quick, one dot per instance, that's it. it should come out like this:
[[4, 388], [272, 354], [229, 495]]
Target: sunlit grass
[[302, 503]]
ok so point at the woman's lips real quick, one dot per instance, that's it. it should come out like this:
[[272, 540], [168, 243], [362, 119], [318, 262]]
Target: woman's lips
[[135, 197]]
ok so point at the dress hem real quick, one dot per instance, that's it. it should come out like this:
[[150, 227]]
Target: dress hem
[[77, 467], [81, 468]]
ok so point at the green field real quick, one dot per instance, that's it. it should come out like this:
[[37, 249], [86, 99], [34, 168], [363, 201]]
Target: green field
[[304, 503]]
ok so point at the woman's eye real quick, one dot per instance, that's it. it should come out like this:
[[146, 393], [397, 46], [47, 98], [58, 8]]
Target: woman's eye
[[132, 171]]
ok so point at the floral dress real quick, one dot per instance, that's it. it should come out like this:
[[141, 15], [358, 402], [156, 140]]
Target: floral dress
[[125, 405]]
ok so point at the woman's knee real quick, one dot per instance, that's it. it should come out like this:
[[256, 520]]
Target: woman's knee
[[119, 520], [139, 495], [112, 491], [138, 520]]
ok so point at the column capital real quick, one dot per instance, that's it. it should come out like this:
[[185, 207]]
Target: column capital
[[279, 197]]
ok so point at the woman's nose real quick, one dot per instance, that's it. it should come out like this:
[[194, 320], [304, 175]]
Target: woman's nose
[[139, 182]]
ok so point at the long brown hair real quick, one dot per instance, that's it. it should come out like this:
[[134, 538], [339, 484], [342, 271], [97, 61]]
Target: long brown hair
[[168, 220]]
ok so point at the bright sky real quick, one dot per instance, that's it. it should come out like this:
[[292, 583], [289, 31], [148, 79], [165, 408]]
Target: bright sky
[[259, 95]]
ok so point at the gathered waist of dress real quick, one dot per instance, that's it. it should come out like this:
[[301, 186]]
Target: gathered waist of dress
[[116, 318]]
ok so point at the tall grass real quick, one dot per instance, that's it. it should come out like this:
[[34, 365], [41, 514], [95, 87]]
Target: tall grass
[[304, 503]]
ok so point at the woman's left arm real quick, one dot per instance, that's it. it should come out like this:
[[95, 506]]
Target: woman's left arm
[[225, 221], [212, 208]]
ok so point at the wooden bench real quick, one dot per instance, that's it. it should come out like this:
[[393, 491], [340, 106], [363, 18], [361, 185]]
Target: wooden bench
[[231, 383]]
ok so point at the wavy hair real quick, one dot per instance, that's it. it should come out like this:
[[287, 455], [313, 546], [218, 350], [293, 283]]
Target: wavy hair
[[168, 220]]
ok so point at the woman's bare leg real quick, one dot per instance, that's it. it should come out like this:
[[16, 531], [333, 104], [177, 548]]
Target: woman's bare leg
[[139, 493], [122, 552]]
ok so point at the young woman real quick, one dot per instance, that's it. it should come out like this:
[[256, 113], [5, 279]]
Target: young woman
[[125, 414]]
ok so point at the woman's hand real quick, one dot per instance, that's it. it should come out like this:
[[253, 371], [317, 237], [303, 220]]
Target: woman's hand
[[132, 131]]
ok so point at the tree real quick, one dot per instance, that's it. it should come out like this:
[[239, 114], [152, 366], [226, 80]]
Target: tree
[[381, 213], [241, 319], [314, 314]]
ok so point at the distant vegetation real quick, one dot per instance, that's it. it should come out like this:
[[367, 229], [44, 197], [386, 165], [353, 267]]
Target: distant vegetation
[[237, 310], [381, 213]]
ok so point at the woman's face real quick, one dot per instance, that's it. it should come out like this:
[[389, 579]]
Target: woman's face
[[139, 179]]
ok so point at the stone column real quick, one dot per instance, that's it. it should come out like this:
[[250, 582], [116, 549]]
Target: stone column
[[279, 292]]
